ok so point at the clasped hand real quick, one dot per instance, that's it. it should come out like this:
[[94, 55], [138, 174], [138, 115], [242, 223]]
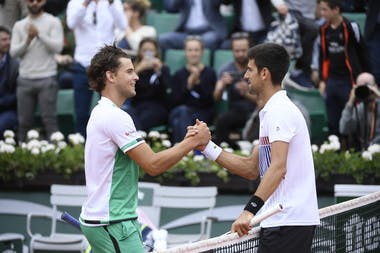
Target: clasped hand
[[200, 132]]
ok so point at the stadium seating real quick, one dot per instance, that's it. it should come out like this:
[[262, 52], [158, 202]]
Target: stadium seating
[[162, 21], [172, 198], [315, 105], [222, 57], [175, 59], [61, 195]]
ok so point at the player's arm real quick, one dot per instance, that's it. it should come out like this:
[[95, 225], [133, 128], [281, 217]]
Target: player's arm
[[276, 171], [157, 163], [271, 180], [247, 167]]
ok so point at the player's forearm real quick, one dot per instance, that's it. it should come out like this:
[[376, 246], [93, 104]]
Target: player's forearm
[[246, 167], [271, 180], [166, 159]]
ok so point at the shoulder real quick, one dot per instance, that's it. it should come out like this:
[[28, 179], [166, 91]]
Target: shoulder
[[149, 29], [20, 23], [165, 69], [107, 112], [209, 70], [229, 66], [51, 18], [181, 72]]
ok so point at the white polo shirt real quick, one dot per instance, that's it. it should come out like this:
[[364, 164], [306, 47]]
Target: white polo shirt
[[281, 120], [111, 176]]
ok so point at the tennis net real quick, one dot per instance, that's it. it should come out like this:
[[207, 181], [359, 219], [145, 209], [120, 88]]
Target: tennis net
[[350, 226]]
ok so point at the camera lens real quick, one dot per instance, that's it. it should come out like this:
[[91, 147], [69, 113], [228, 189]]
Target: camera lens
[[362, 92]]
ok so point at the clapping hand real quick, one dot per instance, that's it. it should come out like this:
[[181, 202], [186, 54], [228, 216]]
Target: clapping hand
[[32, 31], [193, 78]]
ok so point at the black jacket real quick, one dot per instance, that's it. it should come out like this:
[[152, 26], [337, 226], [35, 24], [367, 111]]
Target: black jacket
[[8, 78], [264, 6], [356, 57]]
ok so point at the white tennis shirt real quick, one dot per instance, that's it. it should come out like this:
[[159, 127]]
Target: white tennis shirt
[[111, 176], [281, 120]]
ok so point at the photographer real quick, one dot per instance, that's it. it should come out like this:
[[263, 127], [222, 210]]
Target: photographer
[[360, 117]]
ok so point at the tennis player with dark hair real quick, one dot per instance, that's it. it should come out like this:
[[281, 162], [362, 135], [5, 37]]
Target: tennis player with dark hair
[[283, 159], [114, 151]]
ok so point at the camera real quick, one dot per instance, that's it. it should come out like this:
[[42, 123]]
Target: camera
[[362, 92], [149, 54], [236, 76]]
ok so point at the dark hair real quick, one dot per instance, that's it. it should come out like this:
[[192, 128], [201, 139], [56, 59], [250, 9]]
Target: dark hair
[[4, 29], [147, 40], [334, 4], [272, 56], [107, 59], [240, 36]]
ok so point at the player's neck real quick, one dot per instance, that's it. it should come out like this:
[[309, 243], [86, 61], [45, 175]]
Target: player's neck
[[114, 97], [269, 92]]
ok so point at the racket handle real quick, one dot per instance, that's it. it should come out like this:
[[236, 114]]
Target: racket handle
[[258, 218], [70, 219]]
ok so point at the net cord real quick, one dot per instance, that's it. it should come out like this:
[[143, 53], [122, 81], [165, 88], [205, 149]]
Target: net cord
[[223, 240], [233, 238]]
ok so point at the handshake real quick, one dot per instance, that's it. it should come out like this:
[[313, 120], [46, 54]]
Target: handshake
[[201, 135]]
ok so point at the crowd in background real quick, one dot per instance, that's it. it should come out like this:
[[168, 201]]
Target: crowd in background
[[47, 45]]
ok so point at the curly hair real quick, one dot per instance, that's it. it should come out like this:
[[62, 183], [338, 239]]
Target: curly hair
[[107, 59]]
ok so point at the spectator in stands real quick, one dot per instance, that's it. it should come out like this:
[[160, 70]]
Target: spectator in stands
[[191, 91], [8, 78], [12, 11], [240, 102], [372, 36], [360, 120], [93, 23], [148, 108], [342, 57], [197, 17], [251, 16], [304, 12], [135, 13], [319, 19], [35, 40]]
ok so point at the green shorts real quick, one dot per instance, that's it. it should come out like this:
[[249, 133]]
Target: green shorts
[[119, 237]]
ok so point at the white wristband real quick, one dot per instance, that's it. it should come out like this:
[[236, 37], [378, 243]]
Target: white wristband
[[212, 151]]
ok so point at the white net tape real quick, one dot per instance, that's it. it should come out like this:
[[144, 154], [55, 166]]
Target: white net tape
[[233, 238]]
